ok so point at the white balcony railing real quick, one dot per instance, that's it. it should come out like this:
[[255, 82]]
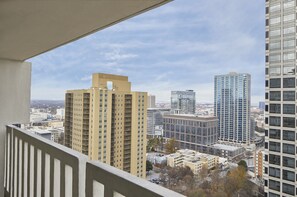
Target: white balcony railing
[[38, 167]]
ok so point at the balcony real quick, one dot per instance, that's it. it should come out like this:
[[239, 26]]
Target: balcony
[[35, 166]]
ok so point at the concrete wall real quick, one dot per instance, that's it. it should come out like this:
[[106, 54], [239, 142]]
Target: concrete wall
[[15, 83]]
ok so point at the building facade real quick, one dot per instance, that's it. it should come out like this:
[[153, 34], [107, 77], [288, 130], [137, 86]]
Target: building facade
[[151, 101], [155, 120], [190, 130], [232, 101], [183, 102], [280, 99], [108, 123], [258, 161]]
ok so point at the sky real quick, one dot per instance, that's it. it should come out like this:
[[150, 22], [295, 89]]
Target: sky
[[181, 45]]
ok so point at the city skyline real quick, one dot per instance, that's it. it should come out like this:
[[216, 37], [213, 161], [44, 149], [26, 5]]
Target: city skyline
[[207, 31]]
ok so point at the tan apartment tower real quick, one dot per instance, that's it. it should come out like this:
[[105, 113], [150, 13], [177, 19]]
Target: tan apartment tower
[[108, 123]]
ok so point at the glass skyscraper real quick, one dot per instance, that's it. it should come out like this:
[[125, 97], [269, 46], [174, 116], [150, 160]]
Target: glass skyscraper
[[280, 99], [232, 100], [183, 102]]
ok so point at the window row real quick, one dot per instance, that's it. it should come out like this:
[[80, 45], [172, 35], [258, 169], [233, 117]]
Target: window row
[[287, 121], [276, 95], [276, 45], [276, 147], [276, 58], [286, 31], [276, 83], [276, 134], [276, 160], [276, 108], [286, 188], [276, 70], [277, 7]]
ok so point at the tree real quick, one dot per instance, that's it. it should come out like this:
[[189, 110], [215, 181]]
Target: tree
[[243, 164], [149, 166], [203, 172], [171, 146], [235, 180], [216, 180], [197, 193]]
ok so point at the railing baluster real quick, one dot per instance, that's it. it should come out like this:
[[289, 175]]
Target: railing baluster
[[37, 167]]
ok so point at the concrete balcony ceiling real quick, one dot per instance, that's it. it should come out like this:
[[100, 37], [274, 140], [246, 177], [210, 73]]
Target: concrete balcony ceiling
[[29, 28]]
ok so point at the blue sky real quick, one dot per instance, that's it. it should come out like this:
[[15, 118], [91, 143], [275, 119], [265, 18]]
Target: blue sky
[[178, 46]]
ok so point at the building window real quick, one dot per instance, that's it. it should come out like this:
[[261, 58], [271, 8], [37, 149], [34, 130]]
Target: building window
[[289, 56], [289, 70], [273, 195], [289, 95], [288, 4], [275, 185], [274, 159], [288, 162], [275, 108], [289, 83], [274, 172], [276, 32], [274, 8], [275, 83], [274, 21], [288, 44], [289, 17], [274, 121], [274, 70], [288, 122], [288, 108], [274, 133], [289, 30], [274, 58], [275, 96], [289, 135], [274, 146], [275, 45], [288, 189], [289, 149], [288, 175]]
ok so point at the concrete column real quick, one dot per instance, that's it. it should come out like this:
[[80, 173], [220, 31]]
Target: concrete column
[[15, 85]]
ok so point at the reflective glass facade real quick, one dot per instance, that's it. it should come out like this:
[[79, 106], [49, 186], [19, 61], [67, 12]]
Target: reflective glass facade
[[183, 102], [232, 106]]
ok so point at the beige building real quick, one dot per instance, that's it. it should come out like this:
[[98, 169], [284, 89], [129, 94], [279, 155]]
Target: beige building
[[194, 160], [108, 123]]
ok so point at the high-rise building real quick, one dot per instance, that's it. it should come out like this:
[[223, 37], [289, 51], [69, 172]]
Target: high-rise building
[[151, 101], [183, 102], [232, 101], [108, 123], [262, 105], [155, 120], [280, 99]]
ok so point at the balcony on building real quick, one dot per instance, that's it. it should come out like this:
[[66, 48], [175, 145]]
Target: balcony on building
[[29, 164]]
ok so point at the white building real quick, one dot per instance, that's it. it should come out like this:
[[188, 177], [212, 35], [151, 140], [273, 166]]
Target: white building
[[194, 160]]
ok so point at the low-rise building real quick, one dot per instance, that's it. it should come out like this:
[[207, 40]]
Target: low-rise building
[[191, 131], [227, 150], [194, 160]]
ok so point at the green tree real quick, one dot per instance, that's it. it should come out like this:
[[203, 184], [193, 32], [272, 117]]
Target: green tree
[[243, 164], [149, 166], [171, 146]]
